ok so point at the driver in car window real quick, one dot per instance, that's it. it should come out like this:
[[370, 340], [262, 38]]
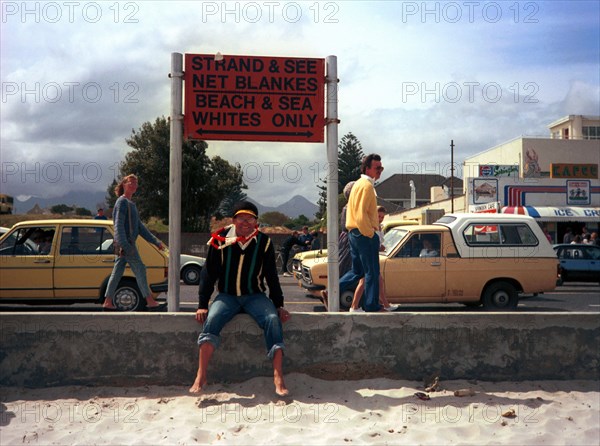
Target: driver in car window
[[428, 249], [43, 240]]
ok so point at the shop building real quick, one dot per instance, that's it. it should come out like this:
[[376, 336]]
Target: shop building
[[554, 179]]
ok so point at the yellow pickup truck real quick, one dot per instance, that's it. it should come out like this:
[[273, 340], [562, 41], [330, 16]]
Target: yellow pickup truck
[[474, 259], [387, 224]]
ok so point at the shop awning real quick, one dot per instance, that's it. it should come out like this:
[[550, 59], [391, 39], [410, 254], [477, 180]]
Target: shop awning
[[555, 213]]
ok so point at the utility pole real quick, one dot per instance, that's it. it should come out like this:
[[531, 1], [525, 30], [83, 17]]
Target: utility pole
[[175, 144], [452, 175]]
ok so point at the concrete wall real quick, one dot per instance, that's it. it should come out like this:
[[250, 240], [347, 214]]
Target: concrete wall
[[52, 349]]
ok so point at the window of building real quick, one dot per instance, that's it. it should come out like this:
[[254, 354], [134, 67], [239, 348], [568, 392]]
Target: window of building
[[591, 132]]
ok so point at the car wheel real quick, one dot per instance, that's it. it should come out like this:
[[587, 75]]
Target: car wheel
[[191, 275], [289, 267], [500, 296], [128, 296], [346, 299]]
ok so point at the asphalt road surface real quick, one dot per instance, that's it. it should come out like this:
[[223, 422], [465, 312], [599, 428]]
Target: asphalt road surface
[[572, 297]]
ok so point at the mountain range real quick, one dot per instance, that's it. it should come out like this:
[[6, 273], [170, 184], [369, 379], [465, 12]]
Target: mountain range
[[87, 200], [293, 208]]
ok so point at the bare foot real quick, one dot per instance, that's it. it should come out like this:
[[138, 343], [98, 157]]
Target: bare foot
[[324, 298], [151, 303], [198, 384], [280, 388], [108, 304]]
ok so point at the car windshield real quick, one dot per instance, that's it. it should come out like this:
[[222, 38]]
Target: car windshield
[[392, 238]]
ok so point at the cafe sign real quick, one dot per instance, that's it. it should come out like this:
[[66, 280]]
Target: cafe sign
[[562, 170]]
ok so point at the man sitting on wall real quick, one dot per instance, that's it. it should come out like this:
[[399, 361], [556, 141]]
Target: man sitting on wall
[[240, 260]]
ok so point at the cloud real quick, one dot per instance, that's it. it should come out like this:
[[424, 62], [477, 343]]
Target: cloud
[[77, 78]]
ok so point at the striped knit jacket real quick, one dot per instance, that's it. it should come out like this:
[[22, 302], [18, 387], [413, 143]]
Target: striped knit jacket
[[239, 272]]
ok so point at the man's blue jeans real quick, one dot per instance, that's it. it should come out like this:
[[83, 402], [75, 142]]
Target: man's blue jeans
[[258, 306], [365, 263], [138, 268]]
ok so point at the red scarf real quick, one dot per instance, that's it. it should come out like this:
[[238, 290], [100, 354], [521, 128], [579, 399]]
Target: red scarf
[[227, 241]]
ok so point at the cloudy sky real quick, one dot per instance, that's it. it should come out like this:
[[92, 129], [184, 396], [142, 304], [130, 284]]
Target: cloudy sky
[[77, 77]]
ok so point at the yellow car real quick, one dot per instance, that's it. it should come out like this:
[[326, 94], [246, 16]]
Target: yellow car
[[386, 225], [67, 261], [306, 255]]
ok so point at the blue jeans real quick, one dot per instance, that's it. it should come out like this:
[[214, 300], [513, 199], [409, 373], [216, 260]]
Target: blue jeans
[[365, 263], [258, 306], [138, 268]]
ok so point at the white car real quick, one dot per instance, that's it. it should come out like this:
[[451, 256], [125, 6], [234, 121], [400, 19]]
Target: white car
[[190, 268]]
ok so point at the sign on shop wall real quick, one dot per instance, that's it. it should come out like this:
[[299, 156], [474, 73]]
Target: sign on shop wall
[[578, 192], [563, 170], [484, 190], [498, 170]]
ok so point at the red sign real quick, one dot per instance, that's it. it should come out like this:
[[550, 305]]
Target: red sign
[[485, 171], [251, 98]]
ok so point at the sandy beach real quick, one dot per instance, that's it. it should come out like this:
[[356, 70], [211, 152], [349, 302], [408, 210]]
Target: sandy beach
[[370, 411]]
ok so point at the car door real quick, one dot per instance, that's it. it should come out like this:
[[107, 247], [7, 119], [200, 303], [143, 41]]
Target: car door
[[573, 263], [417, 271], [26, 263], [592, 260], [84, 259]]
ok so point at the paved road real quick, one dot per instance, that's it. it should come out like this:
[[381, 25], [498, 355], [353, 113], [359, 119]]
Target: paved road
[[573, 297]]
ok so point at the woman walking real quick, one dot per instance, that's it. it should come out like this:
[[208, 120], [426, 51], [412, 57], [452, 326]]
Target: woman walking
[[128, 226]]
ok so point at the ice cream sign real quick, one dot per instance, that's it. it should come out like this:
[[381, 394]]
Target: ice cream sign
[[578, 192]]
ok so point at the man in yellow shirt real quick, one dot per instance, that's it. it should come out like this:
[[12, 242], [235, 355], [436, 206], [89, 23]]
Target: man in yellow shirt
[[362, 222]]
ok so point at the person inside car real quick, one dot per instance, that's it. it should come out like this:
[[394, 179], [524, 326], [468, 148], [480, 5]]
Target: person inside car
[[428, 249], [43, 240]]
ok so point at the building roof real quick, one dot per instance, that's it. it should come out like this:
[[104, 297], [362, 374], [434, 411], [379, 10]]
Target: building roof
[[398, 185], [571, 118], [458, 183], [389, 206]]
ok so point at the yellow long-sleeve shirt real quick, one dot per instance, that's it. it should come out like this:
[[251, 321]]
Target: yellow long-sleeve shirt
[[361, 212]]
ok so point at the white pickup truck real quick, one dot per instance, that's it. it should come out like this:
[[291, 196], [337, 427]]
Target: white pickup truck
[[474, 259]]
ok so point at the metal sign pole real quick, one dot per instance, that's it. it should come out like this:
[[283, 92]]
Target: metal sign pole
[[333, 272], [176, 76]]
